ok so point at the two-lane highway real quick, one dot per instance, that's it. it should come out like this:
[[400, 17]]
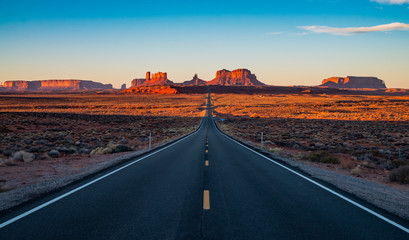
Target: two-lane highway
[[205, 186]]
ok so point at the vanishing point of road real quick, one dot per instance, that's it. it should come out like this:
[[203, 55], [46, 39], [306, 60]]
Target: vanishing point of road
[[203, 186]]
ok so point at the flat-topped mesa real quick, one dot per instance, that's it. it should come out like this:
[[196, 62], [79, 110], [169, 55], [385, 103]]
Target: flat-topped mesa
[[196, 81], [354, 82], [159, 78], [54, 84], [238, 77]]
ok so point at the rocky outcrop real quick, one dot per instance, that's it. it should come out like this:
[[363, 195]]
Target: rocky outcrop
[[57, 84], [137, 82], [151, 90], [159, 78], [238, 77], [196, 81], [123, 86], [354, 82]]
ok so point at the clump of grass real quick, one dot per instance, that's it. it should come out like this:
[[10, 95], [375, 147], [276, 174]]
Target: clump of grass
[[276, 150], [356, 171], [111, 148], [322, 157], [400, 175]]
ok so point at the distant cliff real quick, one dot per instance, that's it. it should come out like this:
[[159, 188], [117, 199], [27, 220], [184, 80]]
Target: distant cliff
[[50, 85], [354, 82], [159, 78], [196, 81], [238, 77]]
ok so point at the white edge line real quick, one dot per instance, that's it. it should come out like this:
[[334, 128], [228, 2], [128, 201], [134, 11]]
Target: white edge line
[[89, 183], [322, 186]]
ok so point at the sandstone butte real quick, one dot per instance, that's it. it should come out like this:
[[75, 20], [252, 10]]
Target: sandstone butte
[[49, 85], [196, 81], [238, 77], [354, 82], [159, 78]]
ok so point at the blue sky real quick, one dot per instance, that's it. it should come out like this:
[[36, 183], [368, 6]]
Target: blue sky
[[282, 42]]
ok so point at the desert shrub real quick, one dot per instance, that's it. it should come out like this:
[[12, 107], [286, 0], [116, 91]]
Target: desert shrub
[[54, 153], [322, 157], [97, 151], [121, 148], [356, 171], [84, 150], [400, 175], [22, 156], [399, 163], [276, 150], [110, 148], [347, 163]]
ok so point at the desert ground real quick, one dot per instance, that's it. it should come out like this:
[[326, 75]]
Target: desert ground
[[363, 136], [46, 136]]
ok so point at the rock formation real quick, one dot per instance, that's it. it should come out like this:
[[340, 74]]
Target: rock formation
[[159, 78], [238, 77], [50, 85], [123, 86], [151, 90], [137, 82], [196, 81], [353, 82]]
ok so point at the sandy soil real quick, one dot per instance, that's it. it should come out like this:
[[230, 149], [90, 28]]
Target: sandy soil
[[368, 134]]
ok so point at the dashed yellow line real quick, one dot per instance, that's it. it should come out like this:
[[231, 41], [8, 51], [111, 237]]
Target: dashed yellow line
[[207, 163], [206, 200]]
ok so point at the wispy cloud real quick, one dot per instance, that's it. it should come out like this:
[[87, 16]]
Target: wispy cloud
[[391, 1], [356, 30]]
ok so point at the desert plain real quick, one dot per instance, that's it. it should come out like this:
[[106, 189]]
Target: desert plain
[[44, 137]]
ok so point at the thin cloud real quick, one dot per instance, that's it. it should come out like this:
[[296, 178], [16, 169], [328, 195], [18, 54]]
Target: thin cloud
[[356, 30], [391, 1]]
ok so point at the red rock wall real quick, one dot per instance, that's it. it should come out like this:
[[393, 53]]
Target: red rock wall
[[60, 84], [50, 85], [354, 82], [238, 77], [160, 78]]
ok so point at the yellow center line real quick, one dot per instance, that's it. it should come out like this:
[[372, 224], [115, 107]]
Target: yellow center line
[[206, 200], [207, 151], [207, 163]]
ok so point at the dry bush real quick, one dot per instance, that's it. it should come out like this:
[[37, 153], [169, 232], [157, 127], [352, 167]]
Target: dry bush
[[110, 148], [400, 175], [276, 150], [322, 157], [347, 163], [356, 171], [22, 156]]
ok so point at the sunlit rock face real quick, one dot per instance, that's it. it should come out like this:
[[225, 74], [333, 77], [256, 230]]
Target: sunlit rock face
[[196, 81], [238, 77], [50, 85], [159, 78], [354, 82]]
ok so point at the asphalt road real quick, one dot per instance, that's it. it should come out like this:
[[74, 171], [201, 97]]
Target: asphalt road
[[206, 186]]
